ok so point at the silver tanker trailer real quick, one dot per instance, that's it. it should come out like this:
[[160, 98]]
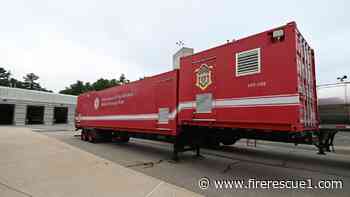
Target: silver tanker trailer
[[334, 106], [334, 111]]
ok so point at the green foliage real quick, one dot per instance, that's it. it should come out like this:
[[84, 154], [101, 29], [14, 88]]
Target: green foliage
[[80, 87], [16, 84], [76, 88], [101, 84], [29, 81], [4, 77]]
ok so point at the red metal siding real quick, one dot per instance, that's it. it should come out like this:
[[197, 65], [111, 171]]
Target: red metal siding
[[132, 107], [208, 91], [266, 100], [306, 81]]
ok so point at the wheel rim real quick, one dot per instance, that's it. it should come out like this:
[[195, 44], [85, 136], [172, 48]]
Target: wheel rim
[[90, 138]]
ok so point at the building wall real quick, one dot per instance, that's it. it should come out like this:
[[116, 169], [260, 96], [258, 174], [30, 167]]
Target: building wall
[[22, 98], [21, 111], [48, 114], [35, 96]]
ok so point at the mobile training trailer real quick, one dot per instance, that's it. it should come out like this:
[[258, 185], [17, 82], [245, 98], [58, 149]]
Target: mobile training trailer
[[260, 87]]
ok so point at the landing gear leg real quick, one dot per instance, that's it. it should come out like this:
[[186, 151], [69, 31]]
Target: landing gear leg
[[176, 149], [322, 144], [321, 150], [331, 141], [198, 153], [175, 155]]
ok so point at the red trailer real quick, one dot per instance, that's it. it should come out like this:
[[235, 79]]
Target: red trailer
[[144, 106], [262, 87]]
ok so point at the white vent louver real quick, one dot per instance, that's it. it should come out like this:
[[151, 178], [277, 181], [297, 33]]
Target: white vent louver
[[248, 62]]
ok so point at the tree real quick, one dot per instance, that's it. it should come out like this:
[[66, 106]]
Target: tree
[[101, 84], [16, 84], [114, 82], [75, 89], [88, 86], [4, 77], [29, 82], [123, 80]]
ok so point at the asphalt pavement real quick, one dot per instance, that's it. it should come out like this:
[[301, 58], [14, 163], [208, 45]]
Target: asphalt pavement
[[266, 161]]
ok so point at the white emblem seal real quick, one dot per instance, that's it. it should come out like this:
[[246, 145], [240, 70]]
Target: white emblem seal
[[97, 103]]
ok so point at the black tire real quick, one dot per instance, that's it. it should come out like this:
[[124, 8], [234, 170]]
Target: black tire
[[91, 137], [83, 135]]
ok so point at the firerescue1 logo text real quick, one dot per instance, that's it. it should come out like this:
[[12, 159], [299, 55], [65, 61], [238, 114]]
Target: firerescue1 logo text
[[203, 76]]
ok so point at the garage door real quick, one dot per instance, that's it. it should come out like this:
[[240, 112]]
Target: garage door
[[35, 115], [60, 115], [6, 114]]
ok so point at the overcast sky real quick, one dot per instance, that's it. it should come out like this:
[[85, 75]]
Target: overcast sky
[[66, 40]]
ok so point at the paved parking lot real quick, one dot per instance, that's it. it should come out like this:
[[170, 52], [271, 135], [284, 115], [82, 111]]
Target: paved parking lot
[[34, 165], [267, 161]]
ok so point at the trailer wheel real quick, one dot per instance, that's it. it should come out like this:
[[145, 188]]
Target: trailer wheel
[[91, 137], [83, 136]]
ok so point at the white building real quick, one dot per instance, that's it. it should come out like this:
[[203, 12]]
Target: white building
[[26, 107]]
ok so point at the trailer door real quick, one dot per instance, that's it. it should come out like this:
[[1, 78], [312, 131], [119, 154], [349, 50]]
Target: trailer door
[[166, 103], [204, 89]]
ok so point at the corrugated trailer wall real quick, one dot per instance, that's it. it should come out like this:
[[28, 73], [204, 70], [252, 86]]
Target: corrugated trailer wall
[[253, 83], [259, 87], [148, 105], [307, 82]]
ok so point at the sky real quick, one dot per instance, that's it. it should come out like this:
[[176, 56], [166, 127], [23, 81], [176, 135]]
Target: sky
[[67, 40]]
